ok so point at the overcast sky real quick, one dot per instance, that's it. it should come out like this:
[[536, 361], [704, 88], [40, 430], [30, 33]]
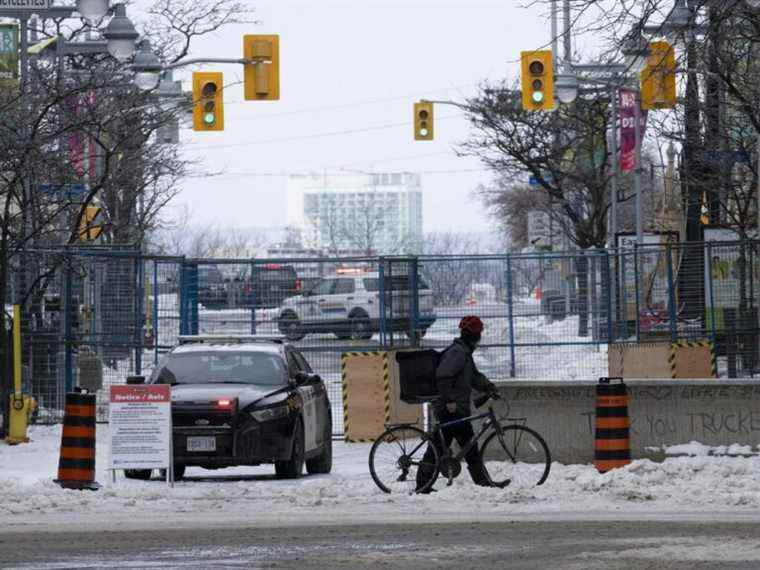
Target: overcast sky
[[350, 66]]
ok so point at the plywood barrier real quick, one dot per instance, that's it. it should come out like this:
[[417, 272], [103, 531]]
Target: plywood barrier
[[682, 359], [371, 396]]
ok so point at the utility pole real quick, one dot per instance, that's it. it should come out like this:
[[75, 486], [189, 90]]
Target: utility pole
[[554, 17]]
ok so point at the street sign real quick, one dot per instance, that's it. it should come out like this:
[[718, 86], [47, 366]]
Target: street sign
[[533, 180], [24, 5], [9, 52], [140, 418]]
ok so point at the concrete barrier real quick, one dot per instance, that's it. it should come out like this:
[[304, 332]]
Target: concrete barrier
[[663, 413]]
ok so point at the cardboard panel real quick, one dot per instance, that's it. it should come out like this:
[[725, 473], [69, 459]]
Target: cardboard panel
[[694, 361], [371, 396], [648, 360]]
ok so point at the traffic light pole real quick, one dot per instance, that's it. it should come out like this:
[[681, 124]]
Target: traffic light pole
[[201, 60]]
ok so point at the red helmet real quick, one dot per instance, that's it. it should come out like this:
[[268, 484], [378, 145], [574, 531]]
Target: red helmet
[[471, 324]]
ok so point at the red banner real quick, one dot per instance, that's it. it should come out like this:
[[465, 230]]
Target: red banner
[[627, 105]]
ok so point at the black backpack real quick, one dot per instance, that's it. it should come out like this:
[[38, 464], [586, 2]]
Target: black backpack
[[417, 375]]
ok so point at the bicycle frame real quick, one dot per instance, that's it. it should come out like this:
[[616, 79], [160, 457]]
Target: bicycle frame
[[492, 421]]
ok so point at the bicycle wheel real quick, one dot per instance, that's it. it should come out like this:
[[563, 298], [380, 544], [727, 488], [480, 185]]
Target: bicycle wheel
[[397, 458], [518, 456]]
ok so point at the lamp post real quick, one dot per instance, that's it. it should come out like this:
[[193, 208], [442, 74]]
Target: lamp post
[[121, 35]]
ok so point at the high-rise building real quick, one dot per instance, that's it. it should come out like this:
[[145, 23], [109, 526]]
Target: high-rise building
[[377, 213]]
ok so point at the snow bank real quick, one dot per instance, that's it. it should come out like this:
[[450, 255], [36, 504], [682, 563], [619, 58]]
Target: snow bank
[[702, 482]]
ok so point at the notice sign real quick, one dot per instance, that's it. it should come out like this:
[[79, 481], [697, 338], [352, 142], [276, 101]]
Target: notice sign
[[141, 426]]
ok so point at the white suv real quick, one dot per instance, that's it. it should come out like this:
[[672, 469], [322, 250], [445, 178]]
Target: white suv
[[347, 304]]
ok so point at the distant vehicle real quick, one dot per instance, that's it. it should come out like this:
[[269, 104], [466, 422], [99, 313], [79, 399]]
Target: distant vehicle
[[347, 304], [212, 291], [269, 285], [245, 401]]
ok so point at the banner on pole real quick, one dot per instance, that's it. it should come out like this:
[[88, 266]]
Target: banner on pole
[[8, 54], [628, 102]]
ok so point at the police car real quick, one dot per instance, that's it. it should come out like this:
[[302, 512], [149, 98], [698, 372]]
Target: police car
[[347, 304], [245, 401]]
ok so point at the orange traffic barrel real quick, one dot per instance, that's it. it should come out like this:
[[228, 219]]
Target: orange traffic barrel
[[612, 447], [76, 466]]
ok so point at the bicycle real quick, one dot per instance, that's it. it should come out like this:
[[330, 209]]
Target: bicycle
[[512, 453]]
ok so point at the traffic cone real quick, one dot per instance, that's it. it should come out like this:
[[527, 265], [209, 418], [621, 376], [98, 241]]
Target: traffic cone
[[76, 467], [612, 447]]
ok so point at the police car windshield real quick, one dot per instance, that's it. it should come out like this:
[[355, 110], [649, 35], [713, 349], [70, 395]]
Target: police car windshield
[[226, 367]]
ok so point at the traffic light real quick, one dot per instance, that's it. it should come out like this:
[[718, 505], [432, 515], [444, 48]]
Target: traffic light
[[658, 79], [91, 224], [537, 80], [208, 101], [262, 78], [423, 121]]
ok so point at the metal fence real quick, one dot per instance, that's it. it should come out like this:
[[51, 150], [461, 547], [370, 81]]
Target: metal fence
[[94, 317]]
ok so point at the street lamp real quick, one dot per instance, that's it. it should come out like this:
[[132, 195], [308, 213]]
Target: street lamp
[[92, 10], [566, 86], [121, 34], [636, 50], [147, 67], [680, 16]]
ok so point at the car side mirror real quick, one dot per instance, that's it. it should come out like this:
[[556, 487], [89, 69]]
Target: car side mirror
[[306, 378], [135, 379]]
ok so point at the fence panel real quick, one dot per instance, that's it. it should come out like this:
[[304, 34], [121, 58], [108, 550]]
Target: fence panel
[[93, 317]]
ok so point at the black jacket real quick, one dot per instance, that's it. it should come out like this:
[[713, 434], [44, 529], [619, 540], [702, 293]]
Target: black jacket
[[457, 375]]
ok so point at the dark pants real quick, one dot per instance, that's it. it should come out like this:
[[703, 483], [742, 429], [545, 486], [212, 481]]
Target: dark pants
[[463, 434]]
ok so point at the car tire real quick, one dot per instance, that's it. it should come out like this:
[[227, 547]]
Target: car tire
[[290, 327], [179, 472], [142, 474], [359, 326], [293, 467], [322, 463]]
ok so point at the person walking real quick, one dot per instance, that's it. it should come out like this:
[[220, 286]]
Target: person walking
[[456, 377]]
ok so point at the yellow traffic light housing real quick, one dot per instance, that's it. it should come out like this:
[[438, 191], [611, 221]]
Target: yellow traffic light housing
[[208, 101], [537, 79], [658, 79], [91, 224], [423, 121], [262, 77]]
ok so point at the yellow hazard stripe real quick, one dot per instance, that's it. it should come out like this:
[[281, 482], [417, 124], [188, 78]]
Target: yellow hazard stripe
[[387, 389], [344, 389], [674, 346]]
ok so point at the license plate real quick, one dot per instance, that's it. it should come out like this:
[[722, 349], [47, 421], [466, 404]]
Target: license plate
[[201, 444]]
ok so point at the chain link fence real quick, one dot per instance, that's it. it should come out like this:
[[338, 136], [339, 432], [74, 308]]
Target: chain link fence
[[93, 317]]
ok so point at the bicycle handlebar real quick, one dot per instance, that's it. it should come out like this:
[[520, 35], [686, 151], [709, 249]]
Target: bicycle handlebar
[[483, 399]]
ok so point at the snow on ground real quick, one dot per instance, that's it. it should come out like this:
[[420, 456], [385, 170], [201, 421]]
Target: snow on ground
[[702, 483]]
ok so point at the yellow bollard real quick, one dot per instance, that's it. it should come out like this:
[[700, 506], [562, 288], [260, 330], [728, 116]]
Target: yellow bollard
[[21, 406]]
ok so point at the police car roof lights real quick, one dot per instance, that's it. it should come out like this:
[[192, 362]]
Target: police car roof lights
[[229, 339]]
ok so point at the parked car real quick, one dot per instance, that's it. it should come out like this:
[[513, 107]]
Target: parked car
[[269, 285], [245, 401], [347, 304], [212, 290]]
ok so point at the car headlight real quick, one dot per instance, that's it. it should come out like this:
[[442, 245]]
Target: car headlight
[[269, 414]]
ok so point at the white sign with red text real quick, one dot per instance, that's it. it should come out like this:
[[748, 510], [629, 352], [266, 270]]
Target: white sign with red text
[[141, 426]]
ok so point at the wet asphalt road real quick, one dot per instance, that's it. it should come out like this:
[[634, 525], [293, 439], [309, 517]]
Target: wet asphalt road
[[515, 545]]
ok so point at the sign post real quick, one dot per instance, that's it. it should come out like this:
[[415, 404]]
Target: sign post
[[141, 428]]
